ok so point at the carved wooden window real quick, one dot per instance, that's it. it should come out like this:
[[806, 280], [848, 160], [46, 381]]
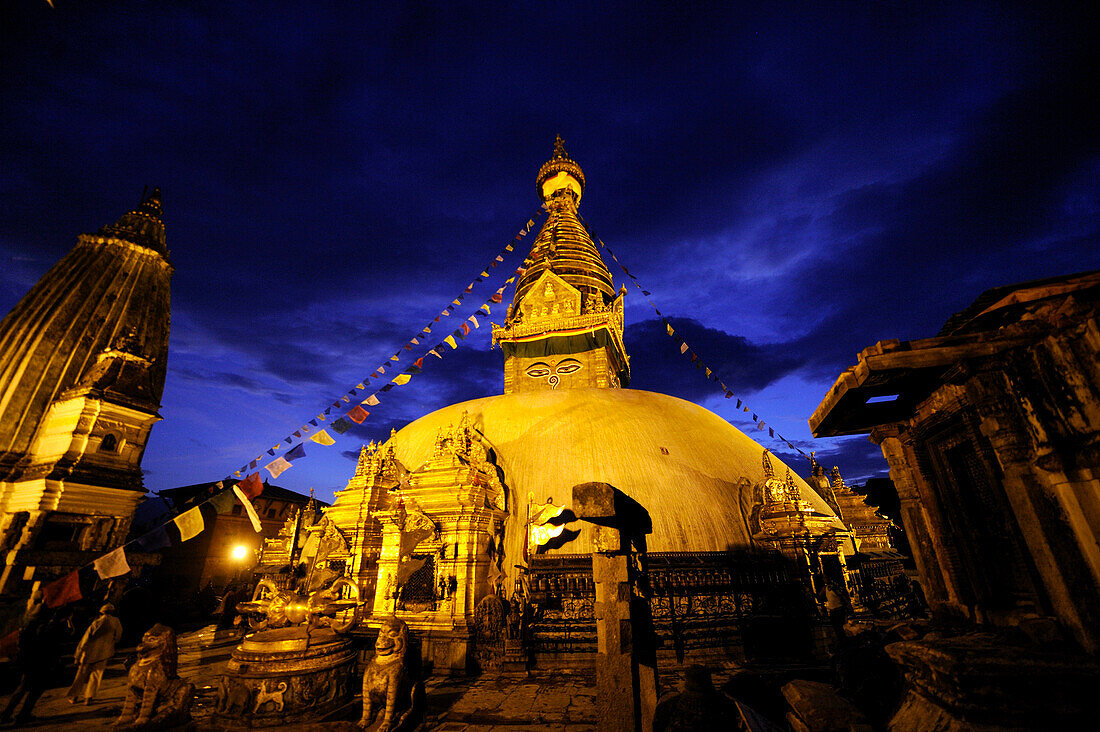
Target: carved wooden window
[[109, 443]]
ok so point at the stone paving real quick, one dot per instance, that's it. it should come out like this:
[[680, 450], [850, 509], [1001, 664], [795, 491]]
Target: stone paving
[[557, 700]]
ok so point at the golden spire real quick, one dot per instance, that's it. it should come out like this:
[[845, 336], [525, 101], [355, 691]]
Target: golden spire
[[769, 471]]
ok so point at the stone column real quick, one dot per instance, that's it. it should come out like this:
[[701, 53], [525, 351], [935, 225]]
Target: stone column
[[626, 668]]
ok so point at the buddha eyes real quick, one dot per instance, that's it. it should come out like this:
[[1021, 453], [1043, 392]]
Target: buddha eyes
[[540, 370]]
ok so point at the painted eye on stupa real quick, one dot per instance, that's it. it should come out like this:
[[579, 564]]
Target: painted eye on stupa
[[538, 370], [568, 366]]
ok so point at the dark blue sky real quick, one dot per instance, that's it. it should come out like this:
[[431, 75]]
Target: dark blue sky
[[792, 182]]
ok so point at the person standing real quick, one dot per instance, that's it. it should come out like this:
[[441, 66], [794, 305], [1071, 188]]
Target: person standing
[[93, 652]]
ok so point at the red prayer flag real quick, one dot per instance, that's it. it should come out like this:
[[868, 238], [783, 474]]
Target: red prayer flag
[[63, 591], [358, 414], [251, 486]]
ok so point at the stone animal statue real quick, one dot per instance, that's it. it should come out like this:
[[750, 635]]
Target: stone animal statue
[[233, 696], [156, 697], [388, 683], [265, 695]]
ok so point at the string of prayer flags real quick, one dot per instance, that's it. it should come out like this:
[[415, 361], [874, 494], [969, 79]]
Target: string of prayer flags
[[323, 438], [684, 348], [190, 523], [112, 564], [249, 509], [358, 414], [63, 591]]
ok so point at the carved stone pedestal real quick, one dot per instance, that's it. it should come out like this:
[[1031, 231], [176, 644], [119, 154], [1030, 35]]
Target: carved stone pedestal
[[285, 676]]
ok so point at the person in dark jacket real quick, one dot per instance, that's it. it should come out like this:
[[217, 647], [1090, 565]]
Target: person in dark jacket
[[38, 655]]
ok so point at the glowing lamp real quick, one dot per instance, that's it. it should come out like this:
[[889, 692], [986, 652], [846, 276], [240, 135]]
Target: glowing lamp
[[240, 552]]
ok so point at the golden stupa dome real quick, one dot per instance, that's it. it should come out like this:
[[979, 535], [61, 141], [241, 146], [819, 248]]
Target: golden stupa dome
[[692, 471]]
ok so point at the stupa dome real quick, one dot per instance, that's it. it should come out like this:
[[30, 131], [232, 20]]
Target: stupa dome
[[690, 469]]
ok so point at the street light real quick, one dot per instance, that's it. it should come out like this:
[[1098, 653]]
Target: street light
[[240, 552]]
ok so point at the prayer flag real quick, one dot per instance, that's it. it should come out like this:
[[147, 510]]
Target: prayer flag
[[395, 356], [508, 248], [530, 223], [312, 422], [298, 433], [252, 464], [278, 466], [694, 357], [155, 539], [271, 452], [381, 370], [473, 320], [358, 414], [360, 386], [344, 398], [455, 302], [746, 409], [63, 591], [465, 330], [485, 307], [729, 395], [484, 273], [450, 341], [435, 353], [112, 564], [189, 523], [342, 425], [401, 379], [297, 453], [222, 503], [249, 509], [408, 346], [738, 403], [771, 432], [492, 265], [323, 438], [708, 373], [645, 292], [669, 329], [500, 258], [386, 388], [683, 347], [497, 296], [468, 288], [415, 342], [418, 363], [760, 425], [427, 328], [371, 401], [755, 418], [252, 485]]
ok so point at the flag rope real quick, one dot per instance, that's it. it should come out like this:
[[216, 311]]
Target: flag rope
[[689, 352], [218, 490]]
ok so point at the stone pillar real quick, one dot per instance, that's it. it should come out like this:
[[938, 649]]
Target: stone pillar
[[915, 519], [626, 668]]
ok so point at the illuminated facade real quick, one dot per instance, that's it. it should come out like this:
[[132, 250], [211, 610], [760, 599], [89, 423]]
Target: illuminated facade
[[82, 366], [483, 487]]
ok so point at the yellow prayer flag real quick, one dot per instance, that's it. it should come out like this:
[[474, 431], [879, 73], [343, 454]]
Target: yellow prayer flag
[[189, 523], [323, 438], [401, 379], [450, 341]]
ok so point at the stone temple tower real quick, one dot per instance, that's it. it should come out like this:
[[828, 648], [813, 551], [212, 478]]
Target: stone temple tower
[[82, 364]]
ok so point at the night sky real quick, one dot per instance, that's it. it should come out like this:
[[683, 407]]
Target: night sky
[[792, 182]]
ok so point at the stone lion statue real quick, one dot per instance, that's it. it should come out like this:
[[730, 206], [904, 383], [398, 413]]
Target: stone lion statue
[[156, 697], [389, 685]]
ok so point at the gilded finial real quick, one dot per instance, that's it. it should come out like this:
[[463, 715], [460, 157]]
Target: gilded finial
[[838, 482], [769, 472], [560, 173]]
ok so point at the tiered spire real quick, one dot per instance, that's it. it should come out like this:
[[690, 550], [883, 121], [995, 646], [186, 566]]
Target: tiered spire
[[566, 306]]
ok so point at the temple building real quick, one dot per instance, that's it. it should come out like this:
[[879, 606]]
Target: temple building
[[82, 366], [472, 503], [992, 432]]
